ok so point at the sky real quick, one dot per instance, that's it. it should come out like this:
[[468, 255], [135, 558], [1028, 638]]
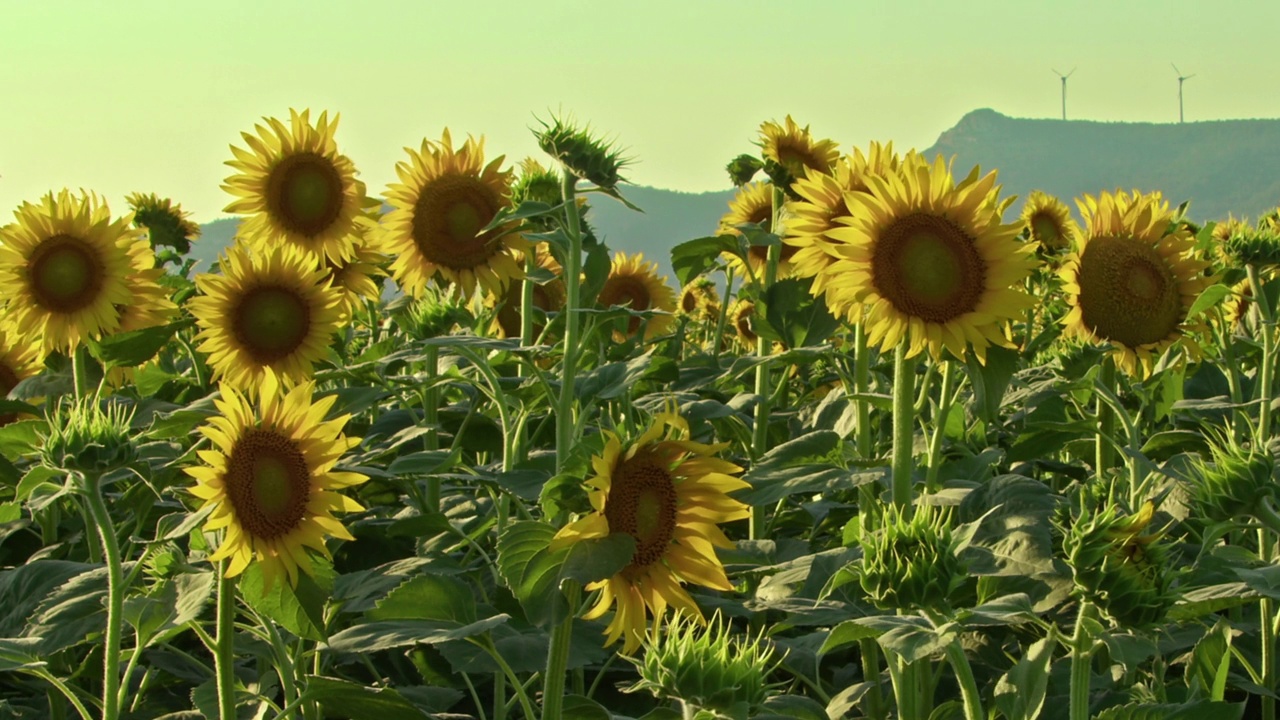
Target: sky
[[147, 95]]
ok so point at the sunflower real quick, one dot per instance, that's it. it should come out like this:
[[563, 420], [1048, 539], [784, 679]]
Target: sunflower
[[444, 199], [1222, 233], [65, 266], [1131, 282], [298, 189], [929, 260], [547, 297], [699, 299], [741, 314], [1238, 304], [670, 494], [1049, 222], [165, 221], [794, 149], [271, 481], [273, 311], [359, 276], [821, 203], [753, 203], [18, 361], [635, 284]]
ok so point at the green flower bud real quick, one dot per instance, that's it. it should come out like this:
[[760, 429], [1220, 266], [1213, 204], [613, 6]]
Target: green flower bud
[[704, 667], [86, 438], [581, 154], [742, 168], [1259, 247], [1120, 570], [1234, 483], [911, 564], [432, 315]]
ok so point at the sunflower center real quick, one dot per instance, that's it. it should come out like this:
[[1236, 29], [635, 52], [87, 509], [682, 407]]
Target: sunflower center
[[927, 267], [642, 503], [689, 301], [305, 193], [447, 219], [271, 323], [268, 483], [742, 323], [627, 291], [1045, 230], [66, 275], [1128, 292]]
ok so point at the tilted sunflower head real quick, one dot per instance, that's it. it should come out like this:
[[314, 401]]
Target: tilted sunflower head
[[20, 358], [1048, 222], [742, 317], [753, 204], [1131, 281], [1117, 566], [912, 563], [705, 667], [929, 261], [1238, 304], [789, 150], [445, 199], [1232, 482], [296, 188], [670, 494], [165, 220], [700, 299], [65, 266], [581, 153], [635, 285]]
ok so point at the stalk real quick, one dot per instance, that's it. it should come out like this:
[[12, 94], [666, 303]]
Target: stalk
[[968, 686], [558, 658], [1266, 373], [572, 287], [760, 436], [940, 424], [1081, 652], [1104, 456], [115, 597], [1266, 618], [431, 417], [224, 657], [903, 425]]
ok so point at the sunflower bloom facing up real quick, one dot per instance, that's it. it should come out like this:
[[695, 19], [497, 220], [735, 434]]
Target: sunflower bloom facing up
[[445, 197], [794, 149], [930, 261], [1129, 283], [670, 494], [297, 188], [65, 266], [269, 312], [1049, 222], [271, 480], [634, 283]]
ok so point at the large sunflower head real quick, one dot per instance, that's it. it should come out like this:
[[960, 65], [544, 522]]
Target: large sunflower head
[[444, 199], [670, 494], [65, 266], [297, 188], [634, 283], [548, 297], [792, 149], [1048, 222], [929, 260], [268, 312], [1132, 278], [753, 203], [820, 203], [271, 480], [18, 361]]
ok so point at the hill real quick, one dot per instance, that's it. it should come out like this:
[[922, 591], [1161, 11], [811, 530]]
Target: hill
[[1222, 166]]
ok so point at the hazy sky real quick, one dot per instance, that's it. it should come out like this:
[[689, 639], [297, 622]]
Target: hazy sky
[[146, 95]]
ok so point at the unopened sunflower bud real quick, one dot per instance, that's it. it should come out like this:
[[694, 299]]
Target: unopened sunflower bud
[[704, 667], [1259, 247], [911, 564], [742, 168], [1234, 483], [1120, 570], [431, 315], [581, 154], [86, 438]]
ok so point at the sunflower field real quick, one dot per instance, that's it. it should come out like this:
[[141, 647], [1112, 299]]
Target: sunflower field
[[887, 450]]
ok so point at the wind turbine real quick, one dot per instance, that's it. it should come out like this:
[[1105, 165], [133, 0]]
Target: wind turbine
[[1064, 90], [1181, 78]]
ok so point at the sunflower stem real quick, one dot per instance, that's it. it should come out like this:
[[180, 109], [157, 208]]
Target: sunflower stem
[[115, 596], [764, 348], [964, 677], [1266, 373], [1266, 617], [724, 312], [80, 371], [558, 657], [939, 425], [903, 428], [572, 269], [871, 673], [1104, 454], [431, 418], [1081, 652], [224, 658]]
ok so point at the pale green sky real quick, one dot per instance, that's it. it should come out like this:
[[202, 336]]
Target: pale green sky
[[147, 94]]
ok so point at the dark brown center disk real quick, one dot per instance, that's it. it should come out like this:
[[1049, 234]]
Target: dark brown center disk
[[305, 194], [642, 503], [65, 274], [447, 219], [928, 267], [271, 322], [268, 482]]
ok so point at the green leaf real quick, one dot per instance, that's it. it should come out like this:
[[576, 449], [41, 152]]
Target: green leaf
[[131, 349], [912, 637], [1007, 610], [1019, 693], [1209, 297], [771, 486], [1200, 710], [71, 614], [532, 571], [990, 380], [694, 257], [195, 590], [19, 654], [793, 707], [845, 633], [813, 445], [388, 634], [1167, 443], [1206, 673], [794, 316], [24, 588], [300, 610], [343, 698], [580, 707], [428, 597], [21, 437], [598, 558]]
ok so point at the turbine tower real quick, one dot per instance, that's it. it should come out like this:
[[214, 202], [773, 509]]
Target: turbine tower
[[1181, 79], [1064, 90]]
